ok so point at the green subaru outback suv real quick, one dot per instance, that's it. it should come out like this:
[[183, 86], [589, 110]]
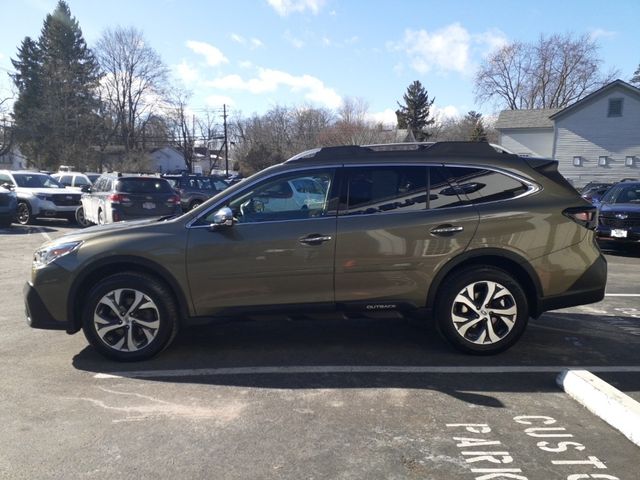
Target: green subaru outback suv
[[476, 239]]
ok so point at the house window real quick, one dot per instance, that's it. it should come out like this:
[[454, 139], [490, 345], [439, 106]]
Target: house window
[[615, 107], [603, 161], [577, 161], [630, 161]]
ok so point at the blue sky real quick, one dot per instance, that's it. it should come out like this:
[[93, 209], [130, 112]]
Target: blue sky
[[254, 54]]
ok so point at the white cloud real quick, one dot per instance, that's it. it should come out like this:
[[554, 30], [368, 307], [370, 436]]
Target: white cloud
[[287, 7], [186, 73], [448, 49], [238, 38], [217, 100], [245, 64], [269, 80], [296, 42], [387, 117], [597, 33], [256, 43], [212, 55], [442, 113]]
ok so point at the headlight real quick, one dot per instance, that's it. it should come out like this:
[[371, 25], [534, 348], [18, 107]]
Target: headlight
[[44, 256]]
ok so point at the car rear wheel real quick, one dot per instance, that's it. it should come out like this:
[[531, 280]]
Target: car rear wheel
[[101, 219], [130, 317], [482, 310], [23, 215]]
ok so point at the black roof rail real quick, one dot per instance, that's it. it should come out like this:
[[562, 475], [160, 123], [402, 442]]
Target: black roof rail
[[477, 149]]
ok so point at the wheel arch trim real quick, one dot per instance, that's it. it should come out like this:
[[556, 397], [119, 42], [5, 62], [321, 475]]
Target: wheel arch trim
[[119, 264], [494, 257]]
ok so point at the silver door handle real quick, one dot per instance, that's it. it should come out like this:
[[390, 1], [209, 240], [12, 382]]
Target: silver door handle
[[315, 239], [446, 229]]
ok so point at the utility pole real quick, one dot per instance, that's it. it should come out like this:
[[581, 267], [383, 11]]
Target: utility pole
[[226, 142]]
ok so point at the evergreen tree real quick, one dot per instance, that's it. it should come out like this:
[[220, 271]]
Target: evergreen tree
[[476, 127], [27, 107], [636, 77], [414, 114], [57, 78]]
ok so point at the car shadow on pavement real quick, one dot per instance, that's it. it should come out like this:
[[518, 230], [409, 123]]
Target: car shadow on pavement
[[618, 250], [26, 230], [555, 340]]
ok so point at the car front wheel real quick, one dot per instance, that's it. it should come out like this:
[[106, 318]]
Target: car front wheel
[[482, 310], [23, 215], [130, 317]]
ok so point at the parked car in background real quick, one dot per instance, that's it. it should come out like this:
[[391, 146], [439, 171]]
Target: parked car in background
[[8, 204], [349, 228], [92, 176], [40, 195], [73, 180], [595, 192], [619, 213], [116, 197], [195, 189]]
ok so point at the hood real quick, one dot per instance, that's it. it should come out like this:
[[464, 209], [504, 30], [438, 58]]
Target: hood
[[109, 229], [619, 207], [46, 191]]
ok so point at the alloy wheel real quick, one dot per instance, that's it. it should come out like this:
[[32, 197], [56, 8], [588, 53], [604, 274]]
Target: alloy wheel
[[24, 215], [126, 320], [484, 312]]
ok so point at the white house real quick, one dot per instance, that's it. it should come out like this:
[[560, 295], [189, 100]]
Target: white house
[[167, 159], [595, 138], [13, 160]]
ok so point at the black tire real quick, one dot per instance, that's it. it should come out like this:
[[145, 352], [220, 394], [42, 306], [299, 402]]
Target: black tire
[[23, 215], [80, 219], [486, 332], [101, 217], [161, 321]]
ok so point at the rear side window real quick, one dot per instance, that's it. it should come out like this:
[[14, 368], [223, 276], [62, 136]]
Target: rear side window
[[482, 186], [385, 189], [143, 185]]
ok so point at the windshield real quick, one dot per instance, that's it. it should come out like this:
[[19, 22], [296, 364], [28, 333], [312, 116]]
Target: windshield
[[36, 180], [623, 194], [81, 180]]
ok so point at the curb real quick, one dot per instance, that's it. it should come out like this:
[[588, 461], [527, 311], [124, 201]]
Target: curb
[[605, 401]]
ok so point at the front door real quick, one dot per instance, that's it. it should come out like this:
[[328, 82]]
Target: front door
[[280, 252]]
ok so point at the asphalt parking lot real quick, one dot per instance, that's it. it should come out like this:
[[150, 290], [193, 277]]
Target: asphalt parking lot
[[314, 399]]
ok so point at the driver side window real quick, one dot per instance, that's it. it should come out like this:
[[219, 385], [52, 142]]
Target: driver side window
[[294, 196]]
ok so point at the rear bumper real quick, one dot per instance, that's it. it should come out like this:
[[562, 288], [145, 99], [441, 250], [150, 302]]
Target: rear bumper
[[589, 288], [38, 316]]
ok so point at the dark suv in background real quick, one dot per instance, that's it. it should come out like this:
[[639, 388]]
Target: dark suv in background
[[195, 189], [116, 197], [619, 218], [475, 239]]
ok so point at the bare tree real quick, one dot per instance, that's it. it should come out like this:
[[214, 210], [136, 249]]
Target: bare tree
[[553, 72], [182, 125], [134, 82], [6, 129]]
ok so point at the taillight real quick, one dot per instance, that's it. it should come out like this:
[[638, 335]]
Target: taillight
[[118, 198], [173, 200], [586, 216]]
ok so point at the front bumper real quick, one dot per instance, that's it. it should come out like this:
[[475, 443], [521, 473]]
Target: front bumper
[[38, 316], [622, 235]]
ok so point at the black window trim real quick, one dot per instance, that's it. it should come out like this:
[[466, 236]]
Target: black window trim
[[337, 179], [616, 99]]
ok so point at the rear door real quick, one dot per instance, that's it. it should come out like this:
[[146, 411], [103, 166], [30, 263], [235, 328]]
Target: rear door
[[397, 225]]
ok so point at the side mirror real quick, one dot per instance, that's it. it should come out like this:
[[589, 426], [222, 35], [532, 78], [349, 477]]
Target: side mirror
[[85, 189], [7, 185], [222, 218]]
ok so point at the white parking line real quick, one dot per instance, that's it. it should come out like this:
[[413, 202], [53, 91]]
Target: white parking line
[[199, 372], [622, 294], [44, 234]]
